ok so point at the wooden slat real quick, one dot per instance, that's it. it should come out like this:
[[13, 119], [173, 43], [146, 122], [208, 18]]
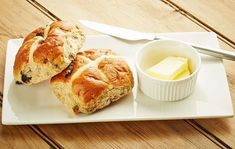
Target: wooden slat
[[221, 18], [224, 128], [17, 19], [149, 134], [218, 14], [19, 137], [134, 14], [147, 16]]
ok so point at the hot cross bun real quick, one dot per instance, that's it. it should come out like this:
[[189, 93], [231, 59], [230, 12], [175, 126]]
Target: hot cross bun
[[96, 78], [47, 51]]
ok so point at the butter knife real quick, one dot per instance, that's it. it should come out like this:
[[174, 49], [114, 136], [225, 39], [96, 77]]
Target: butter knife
[[135, 35]]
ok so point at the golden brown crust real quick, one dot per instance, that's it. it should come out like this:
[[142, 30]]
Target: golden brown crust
[[66, 74], [96, 78], [22, 57], [89, 85], [117, 71], [80, 60], [64, 26], [37, 32], [49, 50], [52, 48]]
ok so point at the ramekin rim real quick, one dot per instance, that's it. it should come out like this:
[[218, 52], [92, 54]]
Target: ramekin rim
[[168, 81]]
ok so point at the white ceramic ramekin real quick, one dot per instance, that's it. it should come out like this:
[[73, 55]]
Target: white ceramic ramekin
[[164, 90]]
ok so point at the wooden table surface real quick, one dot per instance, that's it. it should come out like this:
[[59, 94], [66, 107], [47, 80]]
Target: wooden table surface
[[20, 17]]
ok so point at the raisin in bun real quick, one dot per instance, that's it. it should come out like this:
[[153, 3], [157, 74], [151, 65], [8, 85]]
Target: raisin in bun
[[92, 81], [47, 51]]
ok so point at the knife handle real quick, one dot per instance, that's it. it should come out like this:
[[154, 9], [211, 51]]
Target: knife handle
[[229, 55]]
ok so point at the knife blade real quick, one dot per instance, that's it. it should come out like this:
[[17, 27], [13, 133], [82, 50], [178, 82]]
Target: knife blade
[[128, 34]]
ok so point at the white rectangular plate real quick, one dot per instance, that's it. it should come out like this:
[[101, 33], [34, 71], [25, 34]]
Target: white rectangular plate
[[36, 104]]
